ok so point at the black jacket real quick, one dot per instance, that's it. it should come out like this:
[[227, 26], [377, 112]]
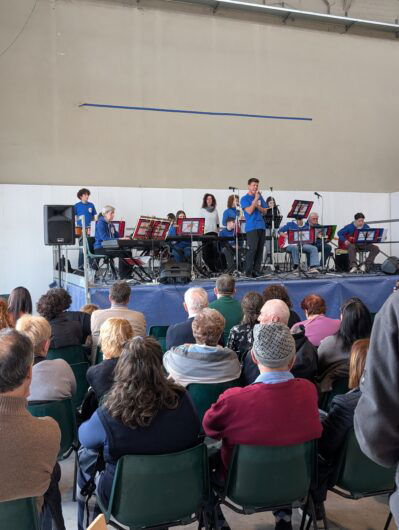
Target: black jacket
[[71, 328], [181, 333], [101, 377]]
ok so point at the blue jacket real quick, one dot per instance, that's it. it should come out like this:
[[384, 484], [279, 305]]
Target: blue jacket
[[104, 232], [230, 212], [185, 243], [292, 225], [349, 230]]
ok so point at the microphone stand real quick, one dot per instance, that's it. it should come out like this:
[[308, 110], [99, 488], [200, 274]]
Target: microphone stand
[[236, 272]]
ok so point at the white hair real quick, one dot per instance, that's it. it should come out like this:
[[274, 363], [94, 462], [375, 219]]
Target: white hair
[[276, 311], [196, 299], [313, 213], [107, 209]]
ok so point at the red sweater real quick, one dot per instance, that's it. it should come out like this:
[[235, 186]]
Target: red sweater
[[264, 414]]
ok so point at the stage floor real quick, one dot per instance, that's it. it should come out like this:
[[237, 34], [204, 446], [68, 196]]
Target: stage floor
[[163, 304]]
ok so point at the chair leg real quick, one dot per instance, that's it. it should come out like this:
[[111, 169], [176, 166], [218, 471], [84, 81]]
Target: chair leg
[[304, 513], [75, 476], [312, 514], [388, 522]]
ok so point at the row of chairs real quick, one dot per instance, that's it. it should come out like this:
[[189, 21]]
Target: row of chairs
[[175, 489]]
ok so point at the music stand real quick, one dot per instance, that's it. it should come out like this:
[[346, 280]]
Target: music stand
[[366, 236], [151, 228], [300, 209], [191, 226]]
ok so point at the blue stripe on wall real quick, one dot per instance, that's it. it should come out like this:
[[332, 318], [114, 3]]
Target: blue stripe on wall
[[180, 111]]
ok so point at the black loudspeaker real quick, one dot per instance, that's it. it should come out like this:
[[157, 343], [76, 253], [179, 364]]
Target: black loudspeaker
[[175, 273], [390, 265], [342, 262], [59, 225]]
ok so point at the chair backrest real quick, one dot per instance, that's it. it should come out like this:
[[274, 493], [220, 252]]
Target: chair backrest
[[64, 414], [20, 514], [159, 332], [82, 385], [149, 490], [99, 356], [266, 477], [339, 386], [359, 475], [204, 395], [70, 354]]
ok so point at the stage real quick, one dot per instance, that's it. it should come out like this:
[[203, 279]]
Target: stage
[[163, 304]]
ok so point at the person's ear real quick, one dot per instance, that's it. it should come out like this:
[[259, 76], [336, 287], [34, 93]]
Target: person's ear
[[215, 291], [254, 359], [185, 307], [291, 363], [46, 346]]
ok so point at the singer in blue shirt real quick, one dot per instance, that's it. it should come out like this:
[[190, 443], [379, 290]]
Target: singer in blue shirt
[[254, 206]]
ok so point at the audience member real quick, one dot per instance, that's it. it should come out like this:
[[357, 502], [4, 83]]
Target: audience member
[[195, 300], [28, 446], [305, 365], [241, 336], [317, 325], [205, 361], [89, 308], [119, 297], [68, 328], [5, 321], [19, 303], [279, 292], [228, 306], [51, 379], [337, 424], [355, 324], [277, 410], [144, 413], [114, 333], [376, 415]]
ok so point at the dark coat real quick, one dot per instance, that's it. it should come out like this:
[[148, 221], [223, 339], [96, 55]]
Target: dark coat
[[101, 377], [181, 333]]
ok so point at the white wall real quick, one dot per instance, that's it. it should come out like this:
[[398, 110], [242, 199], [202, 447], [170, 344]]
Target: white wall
[[25, 260]]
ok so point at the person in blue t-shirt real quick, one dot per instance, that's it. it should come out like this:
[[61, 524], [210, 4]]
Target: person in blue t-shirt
[[232, 209], [346, 241], [311, 251], [254, 207], [88, 210], [229, 247]]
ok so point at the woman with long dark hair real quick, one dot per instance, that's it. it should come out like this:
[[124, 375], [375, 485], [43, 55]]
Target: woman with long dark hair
[[355, 324], [19, 303], [210, 250], [144, 413]]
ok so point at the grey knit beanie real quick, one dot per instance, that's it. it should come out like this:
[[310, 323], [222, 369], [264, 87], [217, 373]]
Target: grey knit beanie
[[273, 344]]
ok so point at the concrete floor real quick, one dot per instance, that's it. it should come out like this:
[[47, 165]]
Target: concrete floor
[[343, 514]]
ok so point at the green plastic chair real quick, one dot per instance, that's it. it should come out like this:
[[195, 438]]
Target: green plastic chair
[[99, 356], [70, 354], [204, 395], [82, 385], [64, 414], [339, 386], [152, 490], [20, 514], [159, 332], [270, 478]]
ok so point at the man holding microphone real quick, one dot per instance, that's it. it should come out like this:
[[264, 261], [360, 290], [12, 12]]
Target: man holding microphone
[[254, 207]]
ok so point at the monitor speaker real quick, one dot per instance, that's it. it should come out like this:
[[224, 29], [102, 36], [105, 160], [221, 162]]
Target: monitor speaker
[[175, 273], [390, 265], [59, 225]]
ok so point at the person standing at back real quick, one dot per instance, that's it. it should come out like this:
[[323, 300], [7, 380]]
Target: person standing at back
[[254, 207], [88, 211], [228, 306]]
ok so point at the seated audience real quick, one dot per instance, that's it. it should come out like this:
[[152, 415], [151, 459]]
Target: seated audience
[[28, 446], [5, 320], [52, 380], [277, 410], [19, 303], [305, 365], [68, 328], [279, 292], [195, 300], [205, 361], [144, 413], [317, 325], [227, 306], [114, 333], [337, 424], [355, 324], [89, 308], [241, 336], [119, 297], [376, 415]]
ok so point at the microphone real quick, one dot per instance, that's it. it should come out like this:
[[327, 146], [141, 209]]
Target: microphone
[[232, 188], [271, 189], [317, 194]]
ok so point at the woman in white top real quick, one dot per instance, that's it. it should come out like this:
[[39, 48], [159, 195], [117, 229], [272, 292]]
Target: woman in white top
[[209, 212]]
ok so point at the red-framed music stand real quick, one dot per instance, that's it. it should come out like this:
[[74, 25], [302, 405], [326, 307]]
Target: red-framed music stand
[[190, 226], [328, 230], [300, 209], [366, 236], [151, 228], [303, 237], [120, 227]]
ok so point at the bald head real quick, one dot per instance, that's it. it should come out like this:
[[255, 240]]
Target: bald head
[[274, 311]]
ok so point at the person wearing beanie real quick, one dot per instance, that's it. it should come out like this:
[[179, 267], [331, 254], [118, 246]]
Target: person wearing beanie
[[277, 409]]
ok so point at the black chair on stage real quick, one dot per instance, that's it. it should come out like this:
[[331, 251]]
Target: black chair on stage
[[101, 263]]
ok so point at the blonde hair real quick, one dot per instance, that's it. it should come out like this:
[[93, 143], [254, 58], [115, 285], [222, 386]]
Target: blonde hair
[[89, 308], [37, 329], [114, 332], [357, 361]]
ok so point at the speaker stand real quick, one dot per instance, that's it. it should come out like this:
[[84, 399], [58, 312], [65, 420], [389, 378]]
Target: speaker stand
[[59, 265]]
